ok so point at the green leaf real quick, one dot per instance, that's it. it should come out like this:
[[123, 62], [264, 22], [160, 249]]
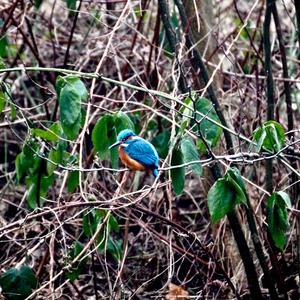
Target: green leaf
[[52, 134], [2, 101], [83, 117], [78, 85], [91, 221], [285, 198], [209, 130], [235, 180], [225, 194], [114, 157], [190, 153], [27, 161], [70, 107], [17, 284], [70, 111], [71, 92], [235, 174], [13, 111], [122, 121], [115, 248], [73, 181], [101, 133], [221, 199], [32, 184], [71, 4], [161, 143], [55, 158], [177, 174], [2, 64], [113, 224], [19, 167], [186, 112], [72, 81], [270, 136], [37, 3], [44, 134], [78, 267], [4, 46], [60, 83], [277, 217]]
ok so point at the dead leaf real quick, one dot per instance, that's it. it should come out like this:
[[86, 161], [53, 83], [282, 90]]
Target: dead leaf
[[176, 292]]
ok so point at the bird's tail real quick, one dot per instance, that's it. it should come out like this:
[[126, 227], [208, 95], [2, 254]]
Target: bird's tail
[[155, 172]]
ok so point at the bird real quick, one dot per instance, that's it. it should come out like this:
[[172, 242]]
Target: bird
[[136, 153]]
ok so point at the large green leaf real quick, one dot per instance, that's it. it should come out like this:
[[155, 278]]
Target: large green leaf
[[225, 194], [71, 93], [235, 174], [177, 174], [71, 4], [17, 284], [221, 199], [112, 137], [55, 158], [270, 136], [277, 217], [101, 133], [161, 143], [70, 111], [32, 186], [190, 153], [235, 180], [73, 81], [44, 134], [73, 181], [209, 130], [27, 161], [122, 121], [22, 165]]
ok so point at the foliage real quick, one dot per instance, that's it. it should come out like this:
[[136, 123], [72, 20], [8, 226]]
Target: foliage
[[105, 239], [270, 136], [177, 173], [225, 194], [105, 134], [78, 267], [210, 132], [277, 217], [76, 73], [17, 284], [71, 94]]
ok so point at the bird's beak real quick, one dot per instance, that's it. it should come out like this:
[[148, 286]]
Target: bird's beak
[[115, 145]]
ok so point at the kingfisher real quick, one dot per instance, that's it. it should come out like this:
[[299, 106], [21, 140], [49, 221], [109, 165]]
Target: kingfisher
[[136, 153]]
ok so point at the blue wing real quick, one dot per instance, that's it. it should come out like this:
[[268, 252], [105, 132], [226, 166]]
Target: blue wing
[[143, 152]]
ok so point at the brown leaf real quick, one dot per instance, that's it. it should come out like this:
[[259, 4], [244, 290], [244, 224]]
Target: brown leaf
[[176, 293]]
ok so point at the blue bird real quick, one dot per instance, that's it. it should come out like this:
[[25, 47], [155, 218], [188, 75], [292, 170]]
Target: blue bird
[[136, 153]]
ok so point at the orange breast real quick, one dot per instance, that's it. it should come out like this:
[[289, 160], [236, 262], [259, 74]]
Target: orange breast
[[129, 162]]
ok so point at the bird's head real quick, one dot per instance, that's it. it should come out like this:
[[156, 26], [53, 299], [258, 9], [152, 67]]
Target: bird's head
[[122, 137]]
